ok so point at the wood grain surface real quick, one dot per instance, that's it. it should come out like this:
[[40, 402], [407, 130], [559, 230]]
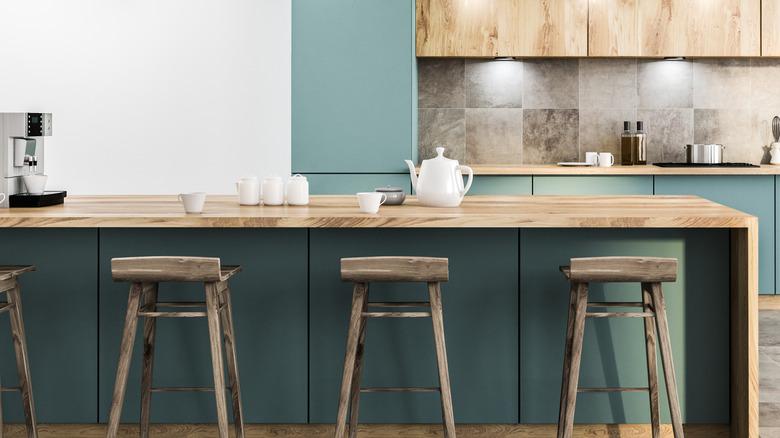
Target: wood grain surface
[[342, 212], [373, 431]]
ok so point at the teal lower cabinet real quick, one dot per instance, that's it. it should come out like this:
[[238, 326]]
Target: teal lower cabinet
[[60, 317], [614, 352], [480, 321], [349, 184], [270, 314], [593, 185], [751, 194], [501, 185]]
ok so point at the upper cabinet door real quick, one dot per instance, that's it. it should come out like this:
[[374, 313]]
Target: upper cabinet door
[[489, 28], [770, 27], [699, 27], [555, 28], [612, 28], [481, 28]]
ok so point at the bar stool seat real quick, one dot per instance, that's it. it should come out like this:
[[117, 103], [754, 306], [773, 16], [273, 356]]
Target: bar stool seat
[[145, 274], [650, 272], [363, 270], [13, 305]]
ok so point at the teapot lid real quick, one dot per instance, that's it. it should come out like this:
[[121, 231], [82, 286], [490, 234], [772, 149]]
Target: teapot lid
[[440, 154]]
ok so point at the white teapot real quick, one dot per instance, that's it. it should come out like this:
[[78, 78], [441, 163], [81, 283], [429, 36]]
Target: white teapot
[[774, 152], [440, 183]]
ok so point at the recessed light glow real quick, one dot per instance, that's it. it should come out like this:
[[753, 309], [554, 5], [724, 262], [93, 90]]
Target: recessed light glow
[[674, 58], [503, 58]]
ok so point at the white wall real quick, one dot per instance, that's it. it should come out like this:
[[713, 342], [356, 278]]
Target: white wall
[[152, 96]]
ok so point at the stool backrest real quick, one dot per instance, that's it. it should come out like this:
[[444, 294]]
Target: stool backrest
[[413, 269], [155, 269], [629, 269]]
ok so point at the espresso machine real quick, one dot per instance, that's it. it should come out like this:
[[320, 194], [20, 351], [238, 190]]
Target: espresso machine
[[22, 159]]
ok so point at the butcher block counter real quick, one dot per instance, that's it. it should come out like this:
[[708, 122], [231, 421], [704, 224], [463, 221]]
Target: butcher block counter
[[290, 257]]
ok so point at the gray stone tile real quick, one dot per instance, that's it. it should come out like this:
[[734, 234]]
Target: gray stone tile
[[494, 84], [733, 128], [551, 83], [769, 332], [769, 414], [494, 135], [440, 83], [550, 136], [608, 84], [664, 84], [764, 89], [769, 432], [600, 130], [442, 127], [721, 83], [668, 131]]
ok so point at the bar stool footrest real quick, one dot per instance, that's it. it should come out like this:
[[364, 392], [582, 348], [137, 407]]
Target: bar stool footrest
[[401, 389], [184, 389], [10, 389], [616, 304], [397, 314], [613, 389], [619, 314]]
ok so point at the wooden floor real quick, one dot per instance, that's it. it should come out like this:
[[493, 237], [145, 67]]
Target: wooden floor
[[370, 431]]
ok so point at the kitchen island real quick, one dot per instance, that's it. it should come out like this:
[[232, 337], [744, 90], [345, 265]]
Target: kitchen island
[[505, 302]]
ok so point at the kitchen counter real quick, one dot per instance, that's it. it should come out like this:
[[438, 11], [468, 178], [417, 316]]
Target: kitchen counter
[[342, 212], [552, 169]]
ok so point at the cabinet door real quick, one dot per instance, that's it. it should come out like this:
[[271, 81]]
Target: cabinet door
[[612, 28], [696, 28], [770, 29], [555, 28], [593, 185]]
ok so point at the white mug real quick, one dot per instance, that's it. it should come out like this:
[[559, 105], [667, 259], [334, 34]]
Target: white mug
[[592, 158], [606, 159], [193, 202], [248, 190], [2, 198], [273, 191], [298, 190], [369, 202]]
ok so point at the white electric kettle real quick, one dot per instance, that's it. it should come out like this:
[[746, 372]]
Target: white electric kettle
[[440, 183]]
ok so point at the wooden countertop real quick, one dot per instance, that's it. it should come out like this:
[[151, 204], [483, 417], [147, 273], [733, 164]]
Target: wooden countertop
[[552, 169], [342, 212]]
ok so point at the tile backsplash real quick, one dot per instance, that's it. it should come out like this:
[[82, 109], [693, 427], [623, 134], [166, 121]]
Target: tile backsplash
[[541, 111]]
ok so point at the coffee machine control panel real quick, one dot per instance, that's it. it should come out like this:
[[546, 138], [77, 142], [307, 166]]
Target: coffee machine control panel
[[38, 124]]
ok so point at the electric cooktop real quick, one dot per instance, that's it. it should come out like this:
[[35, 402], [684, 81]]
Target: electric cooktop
[[704, 165]]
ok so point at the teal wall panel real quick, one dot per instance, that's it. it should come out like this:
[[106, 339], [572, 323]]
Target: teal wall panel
[[593, 185], [613, 352], [60, 316], [270, 314], [352, 89], [349, 184], [501, 185], [480, 321], [751, 194]]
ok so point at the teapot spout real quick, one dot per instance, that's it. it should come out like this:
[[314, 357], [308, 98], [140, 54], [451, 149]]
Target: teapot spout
[[412, 173]]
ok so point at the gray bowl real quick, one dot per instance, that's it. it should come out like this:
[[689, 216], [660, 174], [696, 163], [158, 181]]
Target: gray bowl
[[395, 195]]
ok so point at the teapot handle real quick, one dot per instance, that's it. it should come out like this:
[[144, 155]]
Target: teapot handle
[[469, 181]]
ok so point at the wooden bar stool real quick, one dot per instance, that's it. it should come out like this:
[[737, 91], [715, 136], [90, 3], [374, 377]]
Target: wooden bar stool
[[145, 273], [362, 271], [13, 305], [650, 272]]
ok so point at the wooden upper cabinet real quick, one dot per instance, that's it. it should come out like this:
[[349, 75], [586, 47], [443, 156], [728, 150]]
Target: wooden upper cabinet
[[612, 28], [699, 27], [770, 27], [488, 28]]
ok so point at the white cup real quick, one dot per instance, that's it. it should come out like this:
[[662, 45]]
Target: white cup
[[606, 159], [592, 158], [2, 198], [369, 202], [35, 184], [193, 202], [273, 191], [248, 190], [298, 190]]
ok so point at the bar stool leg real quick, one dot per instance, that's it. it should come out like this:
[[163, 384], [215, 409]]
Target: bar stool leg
[[232, 362], [149, 299], [22, 360], [354, 404], [652, 364], [125, 353], [666, 358], [358, 300], [434, 291], [212, 311], [567, 350], [571, 365]]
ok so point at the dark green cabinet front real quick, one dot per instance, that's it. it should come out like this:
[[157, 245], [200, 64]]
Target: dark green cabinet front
[[480, 322], [269, 309], [751, 194]]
